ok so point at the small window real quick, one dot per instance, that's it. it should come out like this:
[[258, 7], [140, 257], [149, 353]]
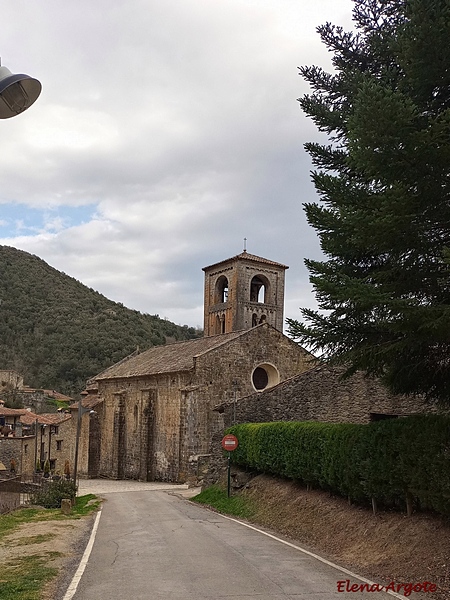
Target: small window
[[382, 416], [260, 378], [59, 444], [265, 376], [135, 417], [25, 449]]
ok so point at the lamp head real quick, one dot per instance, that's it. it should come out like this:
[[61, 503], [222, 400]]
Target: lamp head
[[17, 93]]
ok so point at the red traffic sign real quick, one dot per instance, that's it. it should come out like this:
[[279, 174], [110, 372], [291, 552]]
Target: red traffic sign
[[230, 442]]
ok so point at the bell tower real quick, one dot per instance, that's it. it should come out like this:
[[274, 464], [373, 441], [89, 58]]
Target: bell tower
[[242, 292]]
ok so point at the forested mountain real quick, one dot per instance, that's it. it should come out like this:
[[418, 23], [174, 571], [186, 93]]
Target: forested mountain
[[57, 332]]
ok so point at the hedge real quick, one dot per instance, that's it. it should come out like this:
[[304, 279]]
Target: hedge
[[386, 461]]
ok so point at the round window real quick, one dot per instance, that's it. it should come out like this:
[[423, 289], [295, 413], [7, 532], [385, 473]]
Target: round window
[[260, 378], [265, 376]]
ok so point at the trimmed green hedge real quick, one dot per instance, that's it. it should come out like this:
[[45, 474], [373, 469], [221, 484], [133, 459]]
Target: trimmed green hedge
[[385, 460]]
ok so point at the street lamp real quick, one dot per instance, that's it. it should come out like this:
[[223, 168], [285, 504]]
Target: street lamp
[[17, 93], [81, 411]]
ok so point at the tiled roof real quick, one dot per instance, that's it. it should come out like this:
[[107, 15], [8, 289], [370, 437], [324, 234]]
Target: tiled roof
[[44, 419], [87, 402], [170, 358], [12, 412], [49, 393], [28, 418], [250, 257]]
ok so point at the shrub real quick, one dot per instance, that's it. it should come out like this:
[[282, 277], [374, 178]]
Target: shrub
[[387, 460], [52, 492]]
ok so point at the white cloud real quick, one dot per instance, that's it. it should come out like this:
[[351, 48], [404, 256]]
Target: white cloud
[[177, 123]]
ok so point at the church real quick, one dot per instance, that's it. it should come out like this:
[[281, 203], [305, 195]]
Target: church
[[154, 411]]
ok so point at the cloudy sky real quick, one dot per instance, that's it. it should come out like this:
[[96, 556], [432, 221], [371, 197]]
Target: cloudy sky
[[166, 132]]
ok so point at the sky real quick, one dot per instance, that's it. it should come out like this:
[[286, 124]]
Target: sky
[[167, 131]]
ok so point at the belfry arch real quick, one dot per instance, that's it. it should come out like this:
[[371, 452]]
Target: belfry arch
[[260, 289], [221, 292]]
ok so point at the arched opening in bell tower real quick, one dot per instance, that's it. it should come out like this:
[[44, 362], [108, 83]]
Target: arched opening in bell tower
[[221, 291], [259, 289]]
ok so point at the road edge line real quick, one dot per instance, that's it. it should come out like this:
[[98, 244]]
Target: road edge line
[[316, 556], [70, 592]]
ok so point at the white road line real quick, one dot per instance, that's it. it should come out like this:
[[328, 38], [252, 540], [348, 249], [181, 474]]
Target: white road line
[[324, 560], [84, 560]]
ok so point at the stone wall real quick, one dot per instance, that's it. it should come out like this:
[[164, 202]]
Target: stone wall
[[22, 450], [159, 427], [319, 394], [140, 427]]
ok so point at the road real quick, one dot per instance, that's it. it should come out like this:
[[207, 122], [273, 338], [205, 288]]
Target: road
[[154, 545]]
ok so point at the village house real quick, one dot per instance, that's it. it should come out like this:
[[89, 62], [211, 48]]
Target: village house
[[31, 439]]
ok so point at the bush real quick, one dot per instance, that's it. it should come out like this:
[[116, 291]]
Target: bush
[[387, 460], [52, 492]]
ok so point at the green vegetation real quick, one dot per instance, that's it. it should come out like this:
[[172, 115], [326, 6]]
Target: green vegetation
[[33, 539], [84, 505], [216, 497], [57, 332], [387, 460], [51, 493], [383, 182], [24, 577]]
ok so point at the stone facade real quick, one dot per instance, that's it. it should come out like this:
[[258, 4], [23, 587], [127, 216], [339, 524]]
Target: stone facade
[[242, 292], [157, 418], [319, 394], [36, 438]]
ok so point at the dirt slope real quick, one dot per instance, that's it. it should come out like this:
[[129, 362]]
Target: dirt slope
[[386, 547]]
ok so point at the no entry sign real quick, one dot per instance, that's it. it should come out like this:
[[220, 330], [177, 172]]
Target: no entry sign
[[230, 442]]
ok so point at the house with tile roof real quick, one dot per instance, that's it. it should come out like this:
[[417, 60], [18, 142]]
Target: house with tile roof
[[154, 417], [31, 439]]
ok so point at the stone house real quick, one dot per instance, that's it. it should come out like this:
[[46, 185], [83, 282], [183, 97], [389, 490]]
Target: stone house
[[154, 409], [29, 438]]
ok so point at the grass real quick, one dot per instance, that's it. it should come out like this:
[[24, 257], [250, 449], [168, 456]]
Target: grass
[[84, 505], [216, 497], [33, 539], [24, 577]]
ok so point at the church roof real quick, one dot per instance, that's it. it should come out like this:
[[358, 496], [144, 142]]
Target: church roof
[[170, 358], [250, 257]]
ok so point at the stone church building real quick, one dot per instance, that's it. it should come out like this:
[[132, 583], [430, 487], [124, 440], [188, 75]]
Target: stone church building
[[154, 410]]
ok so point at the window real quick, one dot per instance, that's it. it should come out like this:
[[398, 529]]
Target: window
[[265, 376], [136, 417], [260, 378], [59, 444]]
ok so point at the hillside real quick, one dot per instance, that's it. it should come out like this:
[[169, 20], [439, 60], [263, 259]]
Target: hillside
[[57, 332]]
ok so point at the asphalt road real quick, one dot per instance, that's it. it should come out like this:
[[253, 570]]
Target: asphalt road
[[154, 545]]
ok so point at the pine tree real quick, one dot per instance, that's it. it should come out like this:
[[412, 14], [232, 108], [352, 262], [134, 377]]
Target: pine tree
[[384, 183]]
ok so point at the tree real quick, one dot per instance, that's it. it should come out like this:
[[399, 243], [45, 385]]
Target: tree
[[384, 182]]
